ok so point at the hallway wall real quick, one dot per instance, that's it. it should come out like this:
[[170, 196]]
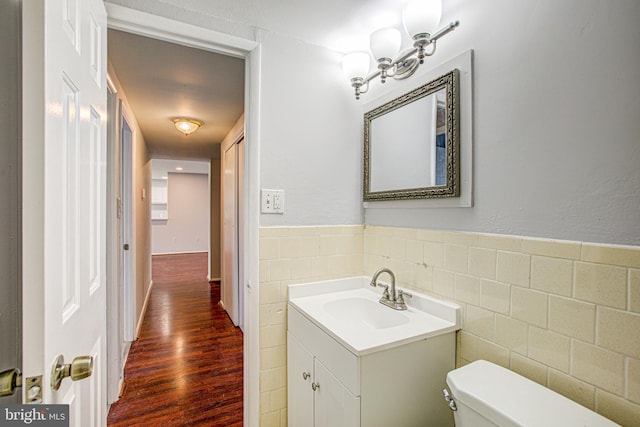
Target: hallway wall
[[187, 228], [141, 206]]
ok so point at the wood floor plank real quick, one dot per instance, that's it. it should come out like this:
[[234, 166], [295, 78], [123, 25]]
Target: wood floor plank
[[185, 369]]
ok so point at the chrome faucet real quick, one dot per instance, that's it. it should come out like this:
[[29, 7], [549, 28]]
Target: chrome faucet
[[389, 297]]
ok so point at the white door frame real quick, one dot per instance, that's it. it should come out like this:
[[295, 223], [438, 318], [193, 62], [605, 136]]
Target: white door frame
[[114, 279], [133, 21], [128, 225], [240, 173]]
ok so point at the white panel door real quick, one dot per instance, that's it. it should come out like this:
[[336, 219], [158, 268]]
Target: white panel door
[[64, 201]]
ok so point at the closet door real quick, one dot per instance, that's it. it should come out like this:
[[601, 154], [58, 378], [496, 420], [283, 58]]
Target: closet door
[[229, 291]]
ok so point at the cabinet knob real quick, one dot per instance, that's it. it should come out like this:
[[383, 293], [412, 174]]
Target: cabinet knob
[[306, 375], [315, 386]]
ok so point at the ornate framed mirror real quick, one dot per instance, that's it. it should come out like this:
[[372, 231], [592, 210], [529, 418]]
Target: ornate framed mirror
[[412, 144]]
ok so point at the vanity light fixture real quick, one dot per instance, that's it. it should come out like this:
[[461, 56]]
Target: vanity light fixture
[[186, 125], [420, 19]]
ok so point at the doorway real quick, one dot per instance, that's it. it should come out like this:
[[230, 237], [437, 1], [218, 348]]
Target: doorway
[[126, 172], [251, 382]]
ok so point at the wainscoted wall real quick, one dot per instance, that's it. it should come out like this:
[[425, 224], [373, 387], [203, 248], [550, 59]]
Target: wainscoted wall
[[565, 314], [295, 255]]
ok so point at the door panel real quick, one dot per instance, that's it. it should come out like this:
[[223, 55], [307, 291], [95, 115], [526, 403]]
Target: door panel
[[64, 198]]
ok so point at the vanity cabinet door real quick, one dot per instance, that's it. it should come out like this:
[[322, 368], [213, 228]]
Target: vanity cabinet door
[[300, 378], [335, 406]]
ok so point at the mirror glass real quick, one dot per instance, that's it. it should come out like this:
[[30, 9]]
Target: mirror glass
[[411, 144]]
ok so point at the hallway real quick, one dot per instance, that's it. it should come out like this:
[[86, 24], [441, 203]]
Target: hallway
[[186, 366]]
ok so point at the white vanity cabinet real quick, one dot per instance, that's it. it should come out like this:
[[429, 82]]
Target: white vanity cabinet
[[331, 386], [330, 405]]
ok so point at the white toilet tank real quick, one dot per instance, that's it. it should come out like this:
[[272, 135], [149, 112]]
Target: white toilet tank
[[488, 395]]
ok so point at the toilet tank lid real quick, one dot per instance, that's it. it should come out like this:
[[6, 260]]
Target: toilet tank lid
[[510, 400]]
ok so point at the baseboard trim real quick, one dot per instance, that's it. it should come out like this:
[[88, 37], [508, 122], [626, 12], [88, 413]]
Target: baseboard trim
[[180, 253], [215, 279], [144, 309]]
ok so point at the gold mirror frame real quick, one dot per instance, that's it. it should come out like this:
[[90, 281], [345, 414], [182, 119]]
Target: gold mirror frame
[[449, 82]]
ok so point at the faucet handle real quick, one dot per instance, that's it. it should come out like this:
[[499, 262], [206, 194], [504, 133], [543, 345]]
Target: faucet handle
[[385, 294], [401, 295]]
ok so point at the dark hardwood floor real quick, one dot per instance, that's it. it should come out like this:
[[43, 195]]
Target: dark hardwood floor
[[185, 369]]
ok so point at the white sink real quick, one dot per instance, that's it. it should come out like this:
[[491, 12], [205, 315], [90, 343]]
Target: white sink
[[363, 313], [349, 311]]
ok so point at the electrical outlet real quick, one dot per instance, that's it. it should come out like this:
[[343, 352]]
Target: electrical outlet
[[271, 201], [278, 201]]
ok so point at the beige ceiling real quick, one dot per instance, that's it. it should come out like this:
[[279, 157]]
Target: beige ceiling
[[163, 80]]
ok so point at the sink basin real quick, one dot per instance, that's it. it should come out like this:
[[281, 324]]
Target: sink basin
[[360, 312], [348, 310]]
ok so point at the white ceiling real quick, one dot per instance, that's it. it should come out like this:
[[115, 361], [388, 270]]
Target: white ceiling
[[341, 25], [163, 80]]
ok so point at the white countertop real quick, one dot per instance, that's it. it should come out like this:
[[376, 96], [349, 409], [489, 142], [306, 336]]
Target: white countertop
[[348, 310]]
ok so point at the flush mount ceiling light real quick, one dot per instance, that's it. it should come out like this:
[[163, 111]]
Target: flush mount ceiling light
[[186, 125], [421, 19]]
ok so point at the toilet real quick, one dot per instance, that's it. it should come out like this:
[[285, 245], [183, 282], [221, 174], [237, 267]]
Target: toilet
[[483, 394]]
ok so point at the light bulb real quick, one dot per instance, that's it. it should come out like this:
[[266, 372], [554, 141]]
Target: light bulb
[[385, 43], [422, 16], [355, 64]]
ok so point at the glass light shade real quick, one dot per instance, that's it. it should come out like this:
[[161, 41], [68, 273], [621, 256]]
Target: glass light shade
[[355, 64], [385, 43], [422, 16], [186, 126]]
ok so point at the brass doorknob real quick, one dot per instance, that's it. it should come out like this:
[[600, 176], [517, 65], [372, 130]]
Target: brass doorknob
[[9, 381], [81, 367]]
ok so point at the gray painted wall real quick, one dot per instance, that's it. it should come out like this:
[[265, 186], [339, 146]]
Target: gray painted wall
[[310, 135], [10, 302], [556, 121]]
